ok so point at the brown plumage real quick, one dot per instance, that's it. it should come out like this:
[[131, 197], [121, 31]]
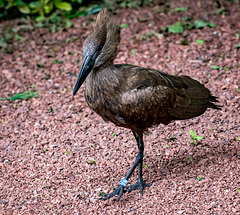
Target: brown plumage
[[134, 97]]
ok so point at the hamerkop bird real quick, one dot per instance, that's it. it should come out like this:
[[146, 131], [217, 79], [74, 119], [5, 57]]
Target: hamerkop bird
[[134, 97]]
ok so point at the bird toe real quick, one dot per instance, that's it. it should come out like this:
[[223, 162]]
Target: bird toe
[[117, 191]]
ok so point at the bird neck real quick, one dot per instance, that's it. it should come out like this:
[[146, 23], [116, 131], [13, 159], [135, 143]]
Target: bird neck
[[103, 76]]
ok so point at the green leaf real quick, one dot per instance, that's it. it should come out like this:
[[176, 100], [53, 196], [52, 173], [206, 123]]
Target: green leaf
[[176, 28], [113, 134], [146, 166], [48, 7], [77, 14], [1, 3], [180, 9], [40, 18], [215, 67], [124, 25], [67, 152], [92, 161], [194, 143], [68, 23], [35, 4], [239, 138], [63, 6], [199, 137], [200, 24], [192, 133], [78, 1], [51, 110], [200, 42], [199, 178], [101, 193], [57, 61], [237, 46], [24, 95], [167, 146], [238, 36], [23, 8], [35, 7], [17, 37], [123, 4], [133, 51], [171, 138], [211, 25], [191, 158]]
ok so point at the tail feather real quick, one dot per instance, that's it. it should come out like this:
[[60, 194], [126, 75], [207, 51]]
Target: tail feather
[[194, 100]]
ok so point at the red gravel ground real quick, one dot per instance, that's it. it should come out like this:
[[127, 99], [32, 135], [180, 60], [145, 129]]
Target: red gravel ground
[[45, 155]]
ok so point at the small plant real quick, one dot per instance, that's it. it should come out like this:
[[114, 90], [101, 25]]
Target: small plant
[[67, 152], [237, 46], [199, 178], [145, 165], [202, 24], [180, 26], [199, 42], [194, 138], [24, 95], [124, 25], [57, 61], [191, 159], [50, 110], [101, 193], [180, 9], [92, 161], [171, 138], [40, 8], [177, 27], [133, 51], [167, 146], [216, 67], [55, 22], [113, 134]]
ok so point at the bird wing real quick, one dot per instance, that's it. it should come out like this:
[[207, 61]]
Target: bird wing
[[153, 97]]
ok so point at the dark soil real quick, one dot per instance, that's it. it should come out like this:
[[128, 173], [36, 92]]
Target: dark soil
[[48, 143]]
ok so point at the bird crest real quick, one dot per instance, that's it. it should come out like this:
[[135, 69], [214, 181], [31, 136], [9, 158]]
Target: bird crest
[[104, 38]]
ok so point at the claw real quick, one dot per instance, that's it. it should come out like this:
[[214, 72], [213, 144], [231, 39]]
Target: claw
[[117, 191], [138, 185]]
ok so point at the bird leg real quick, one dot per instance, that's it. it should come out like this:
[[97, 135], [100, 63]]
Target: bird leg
[[140, 184]]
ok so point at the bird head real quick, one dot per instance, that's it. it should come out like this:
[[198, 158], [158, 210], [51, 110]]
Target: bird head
[[100, 46]]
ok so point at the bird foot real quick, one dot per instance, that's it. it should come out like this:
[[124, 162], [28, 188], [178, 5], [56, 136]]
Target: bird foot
[[117, 191], [140, 184]]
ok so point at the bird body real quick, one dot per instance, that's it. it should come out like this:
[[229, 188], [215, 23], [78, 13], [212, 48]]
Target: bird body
[[134, 97], [138, 98]]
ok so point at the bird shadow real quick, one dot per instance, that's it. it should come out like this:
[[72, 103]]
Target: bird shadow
[[184, 163]]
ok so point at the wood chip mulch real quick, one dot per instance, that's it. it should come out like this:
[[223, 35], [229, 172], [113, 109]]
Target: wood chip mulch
[[57, 156]]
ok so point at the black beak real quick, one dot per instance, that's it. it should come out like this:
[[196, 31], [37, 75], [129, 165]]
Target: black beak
[[86, 68]]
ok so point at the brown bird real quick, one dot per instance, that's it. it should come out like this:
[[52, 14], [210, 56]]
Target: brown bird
[[134, 97]]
